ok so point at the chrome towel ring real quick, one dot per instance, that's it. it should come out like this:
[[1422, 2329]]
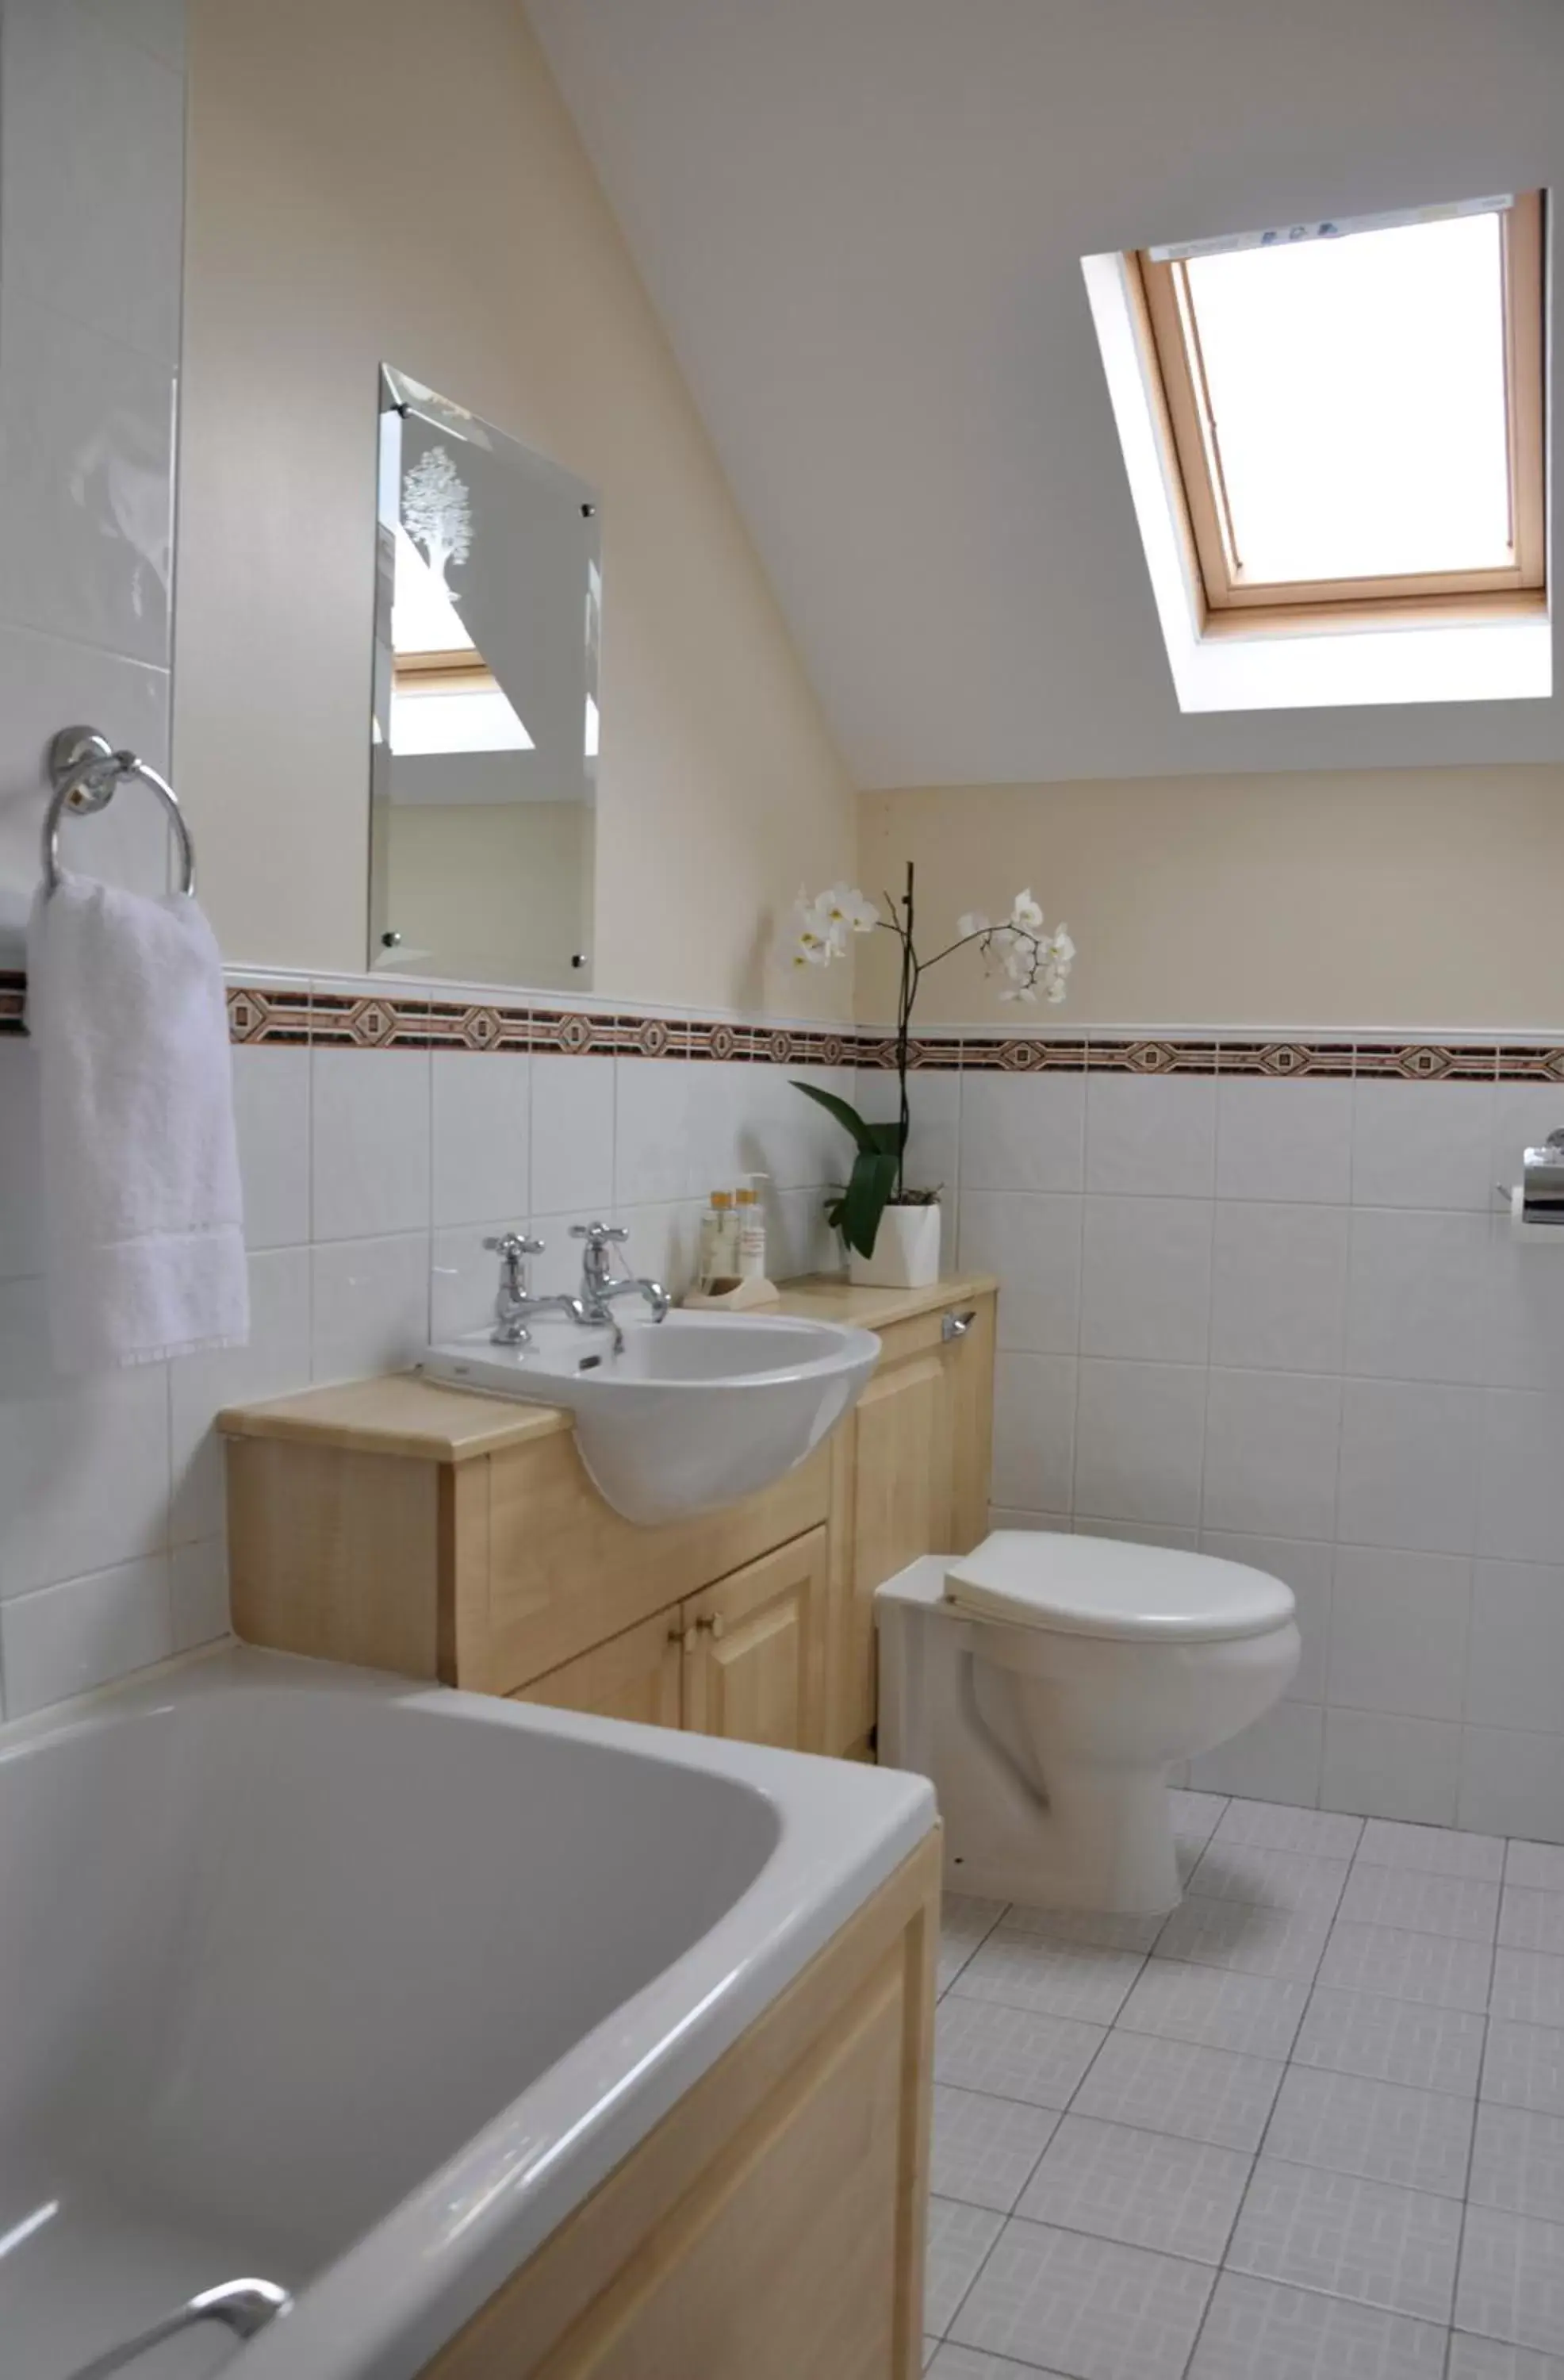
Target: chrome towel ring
[[85, 769]]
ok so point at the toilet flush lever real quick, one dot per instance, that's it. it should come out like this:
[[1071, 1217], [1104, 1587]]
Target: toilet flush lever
[[957, 1326]]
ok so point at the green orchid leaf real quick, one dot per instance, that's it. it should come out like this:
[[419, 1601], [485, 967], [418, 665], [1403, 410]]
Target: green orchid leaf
[[873, 1180], [863, 1134]]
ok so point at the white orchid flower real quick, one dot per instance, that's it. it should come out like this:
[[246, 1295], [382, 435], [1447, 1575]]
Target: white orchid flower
[[1060, 948], [1025, 915], [974, 922], [844, 905]]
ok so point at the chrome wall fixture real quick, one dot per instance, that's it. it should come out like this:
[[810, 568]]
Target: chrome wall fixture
[[85, 770]]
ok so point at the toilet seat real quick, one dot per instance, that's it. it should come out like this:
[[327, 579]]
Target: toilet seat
[[1102, 1586]]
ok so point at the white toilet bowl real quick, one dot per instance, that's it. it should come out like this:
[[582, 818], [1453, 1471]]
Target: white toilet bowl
[[1046, 1683]]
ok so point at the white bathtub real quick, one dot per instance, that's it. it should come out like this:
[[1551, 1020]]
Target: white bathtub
[[361, 1987]]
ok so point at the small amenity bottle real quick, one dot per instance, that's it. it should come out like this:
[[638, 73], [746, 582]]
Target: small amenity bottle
[[750, 1224], [718, 1241]]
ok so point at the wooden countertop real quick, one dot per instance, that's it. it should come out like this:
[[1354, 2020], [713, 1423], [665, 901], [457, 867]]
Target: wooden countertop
[[401, 1413]]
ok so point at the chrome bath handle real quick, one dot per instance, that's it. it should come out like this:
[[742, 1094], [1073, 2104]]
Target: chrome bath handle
[[957, 1326], [243, 2307]]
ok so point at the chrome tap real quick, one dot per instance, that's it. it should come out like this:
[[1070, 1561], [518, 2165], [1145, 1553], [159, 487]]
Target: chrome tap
[[514, 1306], [600, 1285]]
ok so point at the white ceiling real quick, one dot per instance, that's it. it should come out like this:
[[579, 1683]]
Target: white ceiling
[[861, 221]]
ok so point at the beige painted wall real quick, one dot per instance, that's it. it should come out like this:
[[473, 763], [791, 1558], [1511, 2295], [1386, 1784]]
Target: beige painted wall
[[1414, 898], [370, 179]]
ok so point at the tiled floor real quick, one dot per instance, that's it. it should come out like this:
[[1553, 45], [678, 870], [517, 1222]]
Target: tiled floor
[[1310, 2126]]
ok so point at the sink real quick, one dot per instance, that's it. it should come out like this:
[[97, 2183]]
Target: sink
[[688, 1414], [363, 1986]]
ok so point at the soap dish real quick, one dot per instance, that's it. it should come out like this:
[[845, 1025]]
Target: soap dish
[[734, 1296]]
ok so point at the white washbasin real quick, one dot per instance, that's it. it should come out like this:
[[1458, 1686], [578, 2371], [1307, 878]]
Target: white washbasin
[[361, 1987], [693, 1413]]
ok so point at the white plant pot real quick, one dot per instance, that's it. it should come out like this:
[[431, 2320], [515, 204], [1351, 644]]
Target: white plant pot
[[906, 1251]]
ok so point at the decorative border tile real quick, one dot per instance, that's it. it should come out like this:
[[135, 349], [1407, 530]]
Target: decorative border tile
[[340, 1020], [477, 1025], [1535, 1066], [1152, 1057], [1428, 1062], [279, 1014], [1281, 1061]]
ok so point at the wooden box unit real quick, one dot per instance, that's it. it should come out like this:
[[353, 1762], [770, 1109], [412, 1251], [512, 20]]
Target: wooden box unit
[[457, 1537]]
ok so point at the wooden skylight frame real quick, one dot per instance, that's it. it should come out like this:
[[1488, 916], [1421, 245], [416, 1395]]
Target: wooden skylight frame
[[1233, 603]]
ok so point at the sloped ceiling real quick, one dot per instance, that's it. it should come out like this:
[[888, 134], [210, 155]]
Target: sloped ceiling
[[861, 221]]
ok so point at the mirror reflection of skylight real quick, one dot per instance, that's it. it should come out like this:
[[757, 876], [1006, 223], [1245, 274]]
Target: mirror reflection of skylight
[[423, 617], [1358, 391], [454, 719], [446, 714]]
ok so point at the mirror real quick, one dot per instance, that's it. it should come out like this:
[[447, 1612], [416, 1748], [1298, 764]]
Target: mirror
[[483, 737]]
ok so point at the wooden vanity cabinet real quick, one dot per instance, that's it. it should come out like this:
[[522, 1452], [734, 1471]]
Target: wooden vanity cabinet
[[743, 1658], [449, 1537]]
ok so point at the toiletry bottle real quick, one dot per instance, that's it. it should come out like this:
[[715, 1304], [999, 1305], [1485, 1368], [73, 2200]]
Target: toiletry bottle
[[717, 1250], [751, 1223]]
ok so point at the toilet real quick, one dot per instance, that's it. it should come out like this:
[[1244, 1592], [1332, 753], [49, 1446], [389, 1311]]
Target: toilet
[[1047, 1684]]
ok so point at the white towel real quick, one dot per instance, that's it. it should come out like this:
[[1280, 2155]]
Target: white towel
[[145, 1232]]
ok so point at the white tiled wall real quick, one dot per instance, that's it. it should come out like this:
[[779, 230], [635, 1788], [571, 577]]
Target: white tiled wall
[[103, 1567], [370, 1177], [91, 215], [1285, 1321]]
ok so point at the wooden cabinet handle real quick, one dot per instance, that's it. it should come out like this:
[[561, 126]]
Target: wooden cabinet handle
[[715, 1627]]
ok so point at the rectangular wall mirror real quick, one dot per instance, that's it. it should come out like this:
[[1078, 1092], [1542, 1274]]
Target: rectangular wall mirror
[[483, 750]]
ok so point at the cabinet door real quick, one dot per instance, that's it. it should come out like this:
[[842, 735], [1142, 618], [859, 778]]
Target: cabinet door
[[635, 1675], [968, 1360], [754, 1647], [893, 1485]]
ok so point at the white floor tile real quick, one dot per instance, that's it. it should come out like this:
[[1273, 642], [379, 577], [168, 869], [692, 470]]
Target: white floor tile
[[1529, 1987], [1180, 2087], [1518, 2161], [1540, 1865], [1437, 1850], [1257, 2330], [1236, 1934], [1365, 2239], [1257, 2015], [1393, 2041], [1195, 1815], [968, 2363], [1463, 1906], [1180, 2197], [1531, 1920], [1483, 2358], [1105, 1929], [965, 1922], [1054, 1978], [1408, 1966], [980, 2046], [1525, 2067], [1385, 2131], [1512, 2281], [984, 2149], [959, 2239], [1092, 2307], [1277, 1827], [1270, 1879]]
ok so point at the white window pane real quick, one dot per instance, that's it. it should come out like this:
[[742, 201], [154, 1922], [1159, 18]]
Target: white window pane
[[1357, 387]]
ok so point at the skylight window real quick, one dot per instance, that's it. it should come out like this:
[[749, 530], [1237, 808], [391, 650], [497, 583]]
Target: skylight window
[[1354, 414]]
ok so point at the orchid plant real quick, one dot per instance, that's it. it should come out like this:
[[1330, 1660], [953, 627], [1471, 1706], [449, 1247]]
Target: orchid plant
[[1030, 959]]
